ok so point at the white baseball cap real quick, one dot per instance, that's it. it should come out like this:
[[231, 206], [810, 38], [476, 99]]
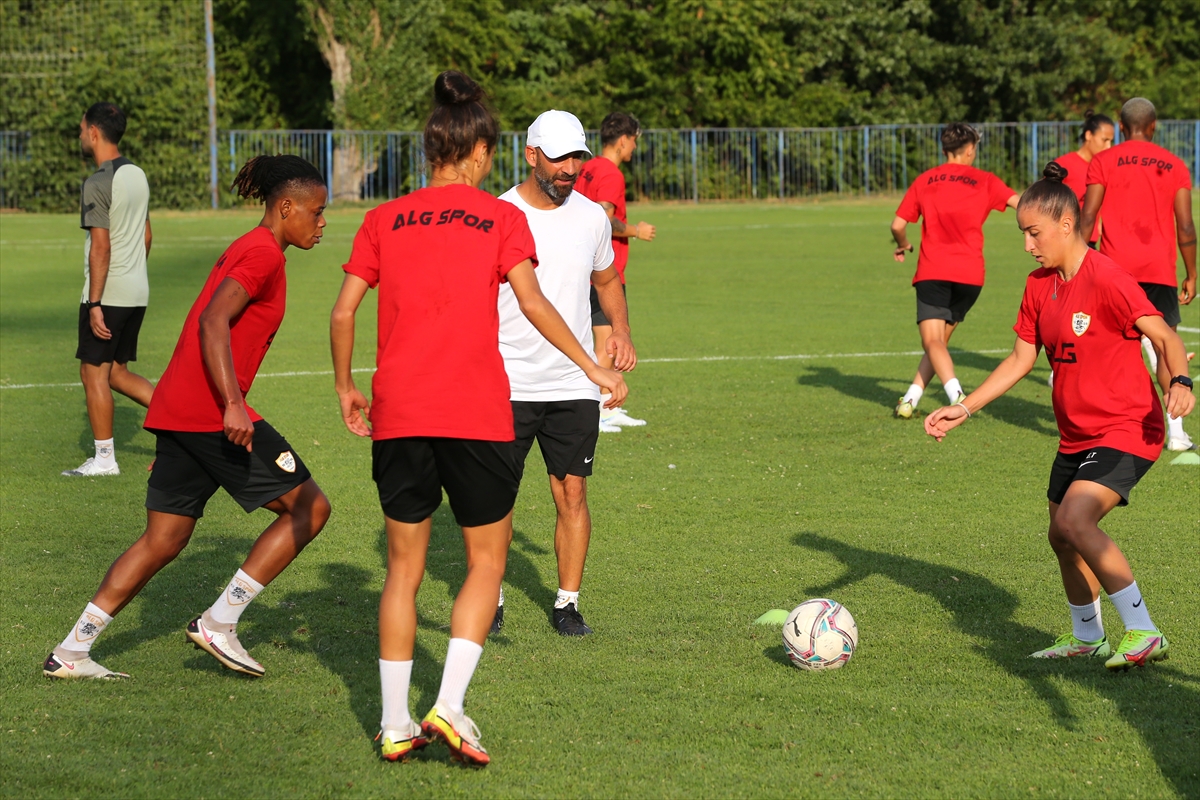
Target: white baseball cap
[[557, 133]]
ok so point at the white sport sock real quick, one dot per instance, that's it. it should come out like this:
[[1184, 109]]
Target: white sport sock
[[106, 453], [1085, 622], [501, 603], [953, 389], [233, 601], [1175, 427], [607, 413], [914, 394], [394, 677], [1132, 608], [565, 598], [1151, 356], [91, 624], [462, 656]]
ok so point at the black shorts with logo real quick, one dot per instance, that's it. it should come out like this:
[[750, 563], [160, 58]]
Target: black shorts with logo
[[599, 320], [480, 478], [123, 322], [1107, 466], [566, 432], [1165, 299], [189, 467], [945, 300]]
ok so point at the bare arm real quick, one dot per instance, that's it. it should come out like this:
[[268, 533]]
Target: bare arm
[[355, 407], [1013, 202], [900, 234], [612, 303], [1185, 234], [99, 256], [149, 236], [229, 300], [1179, 399], [1092, 200], [642, 230], [1005, 376]]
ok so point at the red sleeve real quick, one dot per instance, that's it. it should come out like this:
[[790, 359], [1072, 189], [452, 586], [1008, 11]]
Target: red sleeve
[[1127, 302], [609, 187], [1095, 172], [517, 244], [1027, 317], [364, 255], [910, 206], [256, 269], [998, 193]]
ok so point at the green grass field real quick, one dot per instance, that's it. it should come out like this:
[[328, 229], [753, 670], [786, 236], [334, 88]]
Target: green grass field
[[774, 475]]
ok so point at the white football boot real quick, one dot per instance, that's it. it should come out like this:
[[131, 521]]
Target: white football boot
[[219, 639], [68, 665], [622, 420], [91, 469]]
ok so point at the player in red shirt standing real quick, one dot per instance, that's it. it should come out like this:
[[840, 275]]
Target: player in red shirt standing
[[952, 201], [1088, 314], [440, 416], [209, 438], [1145, 193], [602, 181], [1096, 137]]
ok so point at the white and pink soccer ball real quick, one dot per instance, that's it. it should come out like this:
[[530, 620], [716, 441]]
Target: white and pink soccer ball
[[820, 634]]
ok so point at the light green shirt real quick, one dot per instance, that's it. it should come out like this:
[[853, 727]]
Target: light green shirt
[[117, 197]]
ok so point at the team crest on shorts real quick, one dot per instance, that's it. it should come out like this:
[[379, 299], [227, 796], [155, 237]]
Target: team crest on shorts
[[286, 461], [1080, 322]]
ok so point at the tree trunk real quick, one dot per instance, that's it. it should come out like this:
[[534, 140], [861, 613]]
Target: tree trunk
[[347, 157]]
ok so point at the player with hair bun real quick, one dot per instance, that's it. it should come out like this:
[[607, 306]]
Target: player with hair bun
[[209, 438], [952, 201], [1088, 314], [1095, 137], [440, 415]]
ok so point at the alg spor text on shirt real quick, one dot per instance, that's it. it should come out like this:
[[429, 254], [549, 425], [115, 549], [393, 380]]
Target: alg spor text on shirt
[[445, 217], [952, 179], [1144, 161]]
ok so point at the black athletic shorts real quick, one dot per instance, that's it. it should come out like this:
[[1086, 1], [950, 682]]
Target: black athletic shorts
[[480, 478], [598, 318], [1107, 466], [1165, 299], [945, 300], [189, 467], [123, 322], [566, 431]]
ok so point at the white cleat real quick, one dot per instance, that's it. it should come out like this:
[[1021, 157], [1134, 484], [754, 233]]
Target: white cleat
[[607, 428], [623, 420], [1179, 444], [220, 641], [91, 469], [66, 665]]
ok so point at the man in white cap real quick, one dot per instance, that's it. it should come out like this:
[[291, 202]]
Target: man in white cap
[[553, 401]]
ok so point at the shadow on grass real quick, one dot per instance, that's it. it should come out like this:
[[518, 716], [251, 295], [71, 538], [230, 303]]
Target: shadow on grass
[[127, 423], [1153, 701]]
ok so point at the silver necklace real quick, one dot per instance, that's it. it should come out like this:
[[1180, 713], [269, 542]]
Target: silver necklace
[[1054, 296]]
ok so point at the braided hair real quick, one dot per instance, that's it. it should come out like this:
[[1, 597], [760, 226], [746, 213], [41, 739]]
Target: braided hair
[[265, 178], [1051, 196]]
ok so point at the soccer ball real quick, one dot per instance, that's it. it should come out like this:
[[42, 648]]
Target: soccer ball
[[820, 634]]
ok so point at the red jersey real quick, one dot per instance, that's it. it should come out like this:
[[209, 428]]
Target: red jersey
[[953, 201], [438, 256], [1140, 180], [602, 181], [1076, 181], [186, 399], [1103, 396]]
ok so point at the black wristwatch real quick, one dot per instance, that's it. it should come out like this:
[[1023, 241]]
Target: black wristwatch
[[1182, 380], [92, 304]]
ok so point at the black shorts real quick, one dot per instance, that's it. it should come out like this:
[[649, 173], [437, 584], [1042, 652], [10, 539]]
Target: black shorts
[[1165, 299], [566, 431], [598, 318], [480, 478], [945, 300], [1107, 466], [189, 467], [123, 322]]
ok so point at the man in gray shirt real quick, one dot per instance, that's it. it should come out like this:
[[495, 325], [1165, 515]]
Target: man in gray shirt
[[114, 212]]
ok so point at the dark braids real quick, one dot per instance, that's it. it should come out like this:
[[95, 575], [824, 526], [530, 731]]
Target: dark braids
[[266, 177]]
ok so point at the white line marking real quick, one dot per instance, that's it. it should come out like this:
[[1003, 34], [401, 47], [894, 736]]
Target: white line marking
[[1186, 329]]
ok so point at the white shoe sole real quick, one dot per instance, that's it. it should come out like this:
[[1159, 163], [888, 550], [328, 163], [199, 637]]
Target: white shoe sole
[[1180, 445]]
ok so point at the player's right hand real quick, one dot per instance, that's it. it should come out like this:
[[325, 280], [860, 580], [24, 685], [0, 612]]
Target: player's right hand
[[99, 329], [611, 382], [645, 231], [944, 420], [356, 410], [238, 427]]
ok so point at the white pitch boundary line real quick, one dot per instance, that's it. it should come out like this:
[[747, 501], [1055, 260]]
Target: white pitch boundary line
[[1186, 329]]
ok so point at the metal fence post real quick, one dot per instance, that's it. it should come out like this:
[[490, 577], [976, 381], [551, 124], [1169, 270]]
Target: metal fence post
[[866, 146], [781, 164], [1033, 167], [1196, 156], [695, 171], [329, 167]]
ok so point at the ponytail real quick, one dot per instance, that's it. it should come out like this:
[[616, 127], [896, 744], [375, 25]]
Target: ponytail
[[1092, 122], [459, 121]]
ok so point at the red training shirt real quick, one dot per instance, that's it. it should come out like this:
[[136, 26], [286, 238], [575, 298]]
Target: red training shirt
[[1076, 181], [438, 256], [1140, 180], [601, 180], [1103, 395], [186, 399], [953, 201]]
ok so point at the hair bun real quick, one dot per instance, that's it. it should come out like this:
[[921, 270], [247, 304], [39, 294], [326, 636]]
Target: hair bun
[[1055, 172], [1091, 112], [452, 88]]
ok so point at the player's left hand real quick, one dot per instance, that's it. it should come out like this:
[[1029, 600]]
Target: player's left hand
[[356, 410], [645, 231], [1188, 293], [620, 348], [944, 420], [898, 253], [1180, 401]]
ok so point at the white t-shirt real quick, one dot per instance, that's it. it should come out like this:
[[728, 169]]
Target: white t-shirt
[[572, 241], [117, 197]]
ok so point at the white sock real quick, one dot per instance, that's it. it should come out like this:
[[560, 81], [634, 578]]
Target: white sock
[[1175, 427], [91, 624], [914, 394], [565, 598], [953, 389], [1132, 608], [233, 601], [501, 603], [1085, 622], [106, 453], [462, 656], [394, 677], [607, 413], [1151, 356]]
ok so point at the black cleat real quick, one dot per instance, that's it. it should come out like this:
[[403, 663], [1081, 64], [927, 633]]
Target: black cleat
[[498, 620], [569, 621]]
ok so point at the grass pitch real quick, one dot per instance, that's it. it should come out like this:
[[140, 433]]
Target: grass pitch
[[770, 475]]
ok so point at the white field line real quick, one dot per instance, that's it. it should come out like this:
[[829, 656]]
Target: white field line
[[1186, 329]]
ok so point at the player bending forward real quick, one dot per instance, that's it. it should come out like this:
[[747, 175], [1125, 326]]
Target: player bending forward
[[1088, 313], [552, 398], [208, 437], [441, 416]]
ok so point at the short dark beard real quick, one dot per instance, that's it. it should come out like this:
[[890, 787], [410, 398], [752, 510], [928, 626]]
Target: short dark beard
[[557, 195]]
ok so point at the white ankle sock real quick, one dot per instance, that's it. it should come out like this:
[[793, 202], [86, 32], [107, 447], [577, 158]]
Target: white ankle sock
[[607, 413], [1175, 427], [914, 394], [565, 598], [1086, 623], [953, 389], [462, 656], [1151, 356], [233, 601], [106, 453], [91, 624], [1132, 608], [501, 603], [394, 677]]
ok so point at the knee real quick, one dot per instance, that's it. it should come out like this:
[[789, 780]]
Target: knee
[[167, 545], [316, 509], [1066, 529]]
